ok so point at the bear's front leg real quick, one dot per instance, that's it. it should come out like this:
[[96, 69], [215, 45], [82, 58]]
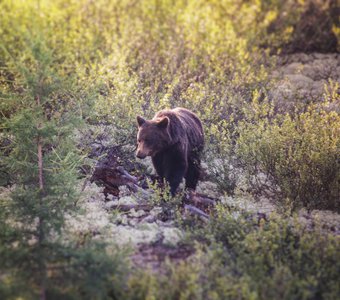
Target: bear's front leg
[[175, 174], [158, 164]]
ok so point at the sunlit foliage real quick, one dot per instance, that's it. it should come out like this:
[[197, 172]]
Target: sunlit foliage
[[104, 62]]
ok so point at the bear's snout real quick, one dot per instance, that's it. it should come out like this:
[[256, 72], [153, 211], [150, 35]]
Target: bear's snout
[[140, 155]]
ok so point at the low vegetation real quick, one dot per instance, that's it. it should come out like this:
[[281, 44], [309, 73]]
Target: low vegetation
[[69, 65], [292, 158], [244, 257]]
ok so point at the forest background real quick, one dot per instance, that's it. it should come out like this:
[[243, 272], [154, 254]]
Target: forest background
[[72, 72]]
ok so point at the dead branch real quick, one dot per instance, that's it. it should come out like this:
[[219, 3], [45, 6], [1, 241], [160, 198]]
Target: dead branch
[[197, 212]]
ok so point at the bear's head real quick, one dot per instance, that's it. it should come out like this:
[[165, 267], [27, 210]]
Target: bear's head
[[153, 136]]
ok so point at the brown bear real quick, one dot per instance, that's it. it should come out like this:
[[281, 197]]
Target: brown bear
[[174, 139]]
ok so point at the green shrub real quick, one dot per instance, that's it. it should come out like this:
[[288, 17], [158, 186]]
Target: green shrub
[[119, 58], [36, 259], [292, 159], [279, 258], [220, 156], [139, 58], [244, 258]]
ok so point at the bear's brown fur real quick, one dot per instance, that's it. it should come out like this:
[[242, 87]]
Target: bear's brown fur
[[174, 139]]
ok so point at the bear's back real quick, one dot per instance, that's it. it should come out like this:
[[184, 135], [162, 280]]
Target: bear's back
[[184, 124]]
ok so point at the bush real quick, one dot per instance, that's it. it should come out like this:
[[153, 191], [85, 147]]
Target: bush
[[245, 258], [279, 258], [220, 157], [36, 259], [293, 159]]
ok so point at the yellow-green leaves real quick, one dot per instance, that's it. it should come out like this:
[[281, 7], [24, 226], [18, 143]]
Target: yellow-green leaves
[[297, 152]]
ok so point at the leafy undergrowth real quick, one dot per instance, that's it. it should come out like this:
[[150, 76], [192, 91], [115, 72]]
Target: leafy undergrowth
[[237, 254], [241, 256], [240, 253], [100, 63], [297, 153]]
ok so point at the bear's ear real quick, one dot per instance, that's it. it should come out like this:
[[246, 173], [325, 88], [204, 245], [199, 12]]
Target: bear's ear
[[140, 121], [163, 123]]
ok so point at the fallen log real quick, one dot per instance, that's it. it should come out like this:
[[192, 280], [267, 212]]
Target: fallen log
[[111, 175], [202, 199], [197, 212]]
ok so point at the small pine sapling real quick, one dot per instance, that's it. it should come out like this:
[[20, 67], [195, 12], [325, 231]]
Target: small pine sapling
[[43, 161]]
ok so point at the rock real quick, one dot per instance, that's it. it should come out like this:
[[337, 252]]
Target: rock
[[172, 236], [318, 87], [110, 204], [133, 222], [149, 219], [302, 58], [293, 68], [123, 220], [137, 214], [299, 80], [124, 191], [336, 73], [156, 211], [208, 188], [308, 71], [127, 200], [323, 56]]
